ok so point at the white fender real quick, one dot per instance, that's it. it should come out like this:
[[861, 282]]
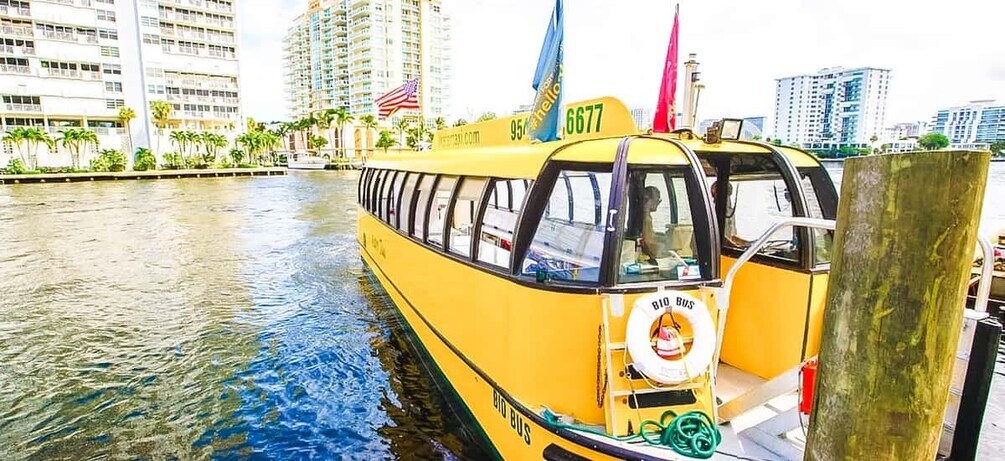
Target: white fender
[[646, 310]]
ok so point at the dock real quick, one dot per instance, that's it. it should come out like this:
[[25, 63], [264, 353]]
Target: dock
[[138, 175]]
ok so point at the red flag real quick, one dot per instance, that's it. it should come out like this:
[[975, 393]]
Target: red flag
[[666, 110]]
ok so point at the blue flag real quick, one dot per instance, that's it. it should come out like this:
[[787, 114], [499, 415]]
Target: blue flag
[[544, 116]]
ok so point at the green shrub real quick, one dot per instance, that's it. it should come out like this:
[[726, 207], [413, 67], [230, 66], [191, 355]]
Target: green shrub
[[236, 155], [16, 166], [172, 161], [193, 161], [109, 160], [144, 160]]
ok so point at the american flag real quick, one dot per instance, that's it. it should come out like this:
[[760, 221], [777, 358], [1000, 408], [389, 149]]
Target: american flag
[[402, 97]]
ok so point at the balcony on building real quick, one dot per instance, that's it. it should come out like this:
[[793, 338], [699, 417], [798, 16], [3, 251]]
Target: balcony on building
[[22, 10]]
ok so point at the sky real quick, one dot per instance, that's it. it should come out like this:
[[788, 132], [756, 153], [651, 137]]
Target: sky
[[940, 53]]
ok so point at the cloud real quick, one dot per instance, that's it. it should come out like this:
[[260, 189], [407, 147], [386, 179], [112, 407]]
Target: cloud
[[263, 24], [938, 55]]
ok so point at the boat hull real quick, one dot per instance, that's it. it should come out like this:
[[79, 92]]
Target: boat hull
[[306, 166], [514, 431]]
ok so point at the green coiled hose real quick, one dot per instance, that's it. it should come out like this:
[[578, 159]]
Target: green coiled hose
[[691, 434]]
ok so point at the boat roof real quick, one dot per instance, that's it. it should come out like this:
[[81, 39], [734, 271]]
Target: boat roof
[[501, 148]]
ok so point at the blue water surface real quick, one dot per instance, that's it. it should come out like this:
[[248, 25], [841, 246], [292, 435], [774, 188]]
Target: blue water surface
[[205, 319]]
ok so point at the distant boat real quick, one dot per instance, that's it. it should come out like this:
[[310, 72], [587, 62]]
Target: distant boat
[[306, 161]]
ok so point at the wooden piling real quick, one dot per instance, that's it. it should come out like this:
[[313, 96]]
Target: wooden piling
[[906, 228]]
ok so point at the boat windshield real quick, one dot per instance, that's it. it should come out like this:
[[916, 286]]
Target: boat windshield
[[569, 241], [659, 238]]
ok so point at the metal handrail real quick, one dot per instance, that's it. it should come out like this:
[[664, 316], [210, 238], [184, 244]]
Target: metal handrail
[[755, 247], [987, 271], [724, 292]]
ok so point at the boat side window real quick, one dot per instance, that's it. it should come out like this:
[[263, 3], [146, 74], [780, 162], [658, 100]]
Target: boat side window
[[378, 179], [422, 202], [363, 176], [659, 241], [365, 188], [569, 240], [394, 210], [755, 202], [823, 240], [438, 209], [405, 202], [462, 218], [499, 220], [385, 205]]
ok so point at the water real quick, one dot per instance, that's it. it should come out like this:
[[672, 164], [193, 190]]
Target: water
[[221, 319], [993, 215], [204, 319]]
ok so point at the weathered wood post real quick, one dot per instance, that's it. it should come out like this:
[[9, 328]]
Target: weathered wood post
[[906, 227]]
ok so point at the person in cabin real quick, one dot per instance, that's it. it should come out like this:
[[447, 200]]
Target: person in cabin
[[649, 243], [729, 232]]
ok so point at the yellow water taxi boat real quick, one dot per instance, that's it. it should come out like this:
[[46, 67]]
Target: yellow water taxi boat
[[579, 294]]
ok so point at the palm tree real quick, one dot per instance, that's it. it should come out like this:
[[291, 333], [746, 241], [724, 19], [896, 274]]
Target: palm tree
[[417, 134], [77, 141], [18, 137], [440, 123], [400, 126], [161, 112], [126, 115], [324, 120], [369, 123], [303, 125], [88, 137], [342, 117], [252, 142], [286, 128], [35, 136], [195, 143], [252, 125], [180, 139], [213, 142], [269, 140]]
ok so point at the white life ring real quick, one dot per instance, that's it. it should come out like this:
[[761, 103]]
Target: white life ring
[[645, 312]]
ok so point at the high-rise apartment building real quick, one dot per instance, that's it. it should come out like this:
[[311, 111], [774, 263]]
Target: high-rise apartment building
[[346, 53], [833, 107], [977, 122], [74, 63]]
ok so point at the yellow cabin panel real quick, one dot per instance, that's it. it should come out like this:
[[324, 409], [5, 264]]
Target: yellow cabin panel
[[513, 435], [499, 325], [766, 319], [817, 303]]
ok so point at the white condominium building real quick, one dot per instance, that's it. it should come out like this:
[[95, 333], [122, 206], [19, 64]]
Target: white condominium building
[[346, 53], [835, 106], [74, 63], [981, 121]]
